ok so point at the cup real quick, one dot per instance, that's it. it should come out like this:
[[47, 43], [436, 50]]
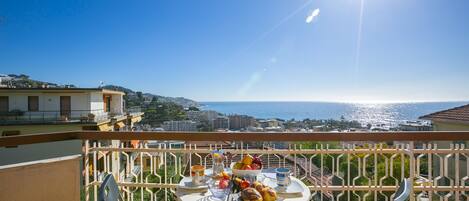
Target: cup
[[197, 174], [283, 177]]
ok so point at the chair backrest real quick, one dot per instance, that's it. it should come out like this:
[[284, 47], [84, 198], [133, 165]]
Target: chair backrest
[[403, 192], [109, 191]]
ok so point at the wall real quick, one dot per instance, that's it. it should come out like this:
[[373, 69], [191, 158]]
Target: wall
[[48, 180], [117, 104], [96, 101], [444, 126], [49, 104], [46, 128], [40, 151], [18, 102]]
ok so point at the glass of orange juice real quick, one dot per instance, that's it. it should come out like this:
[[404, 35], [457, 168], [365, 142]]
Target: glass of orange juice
[[197, 174]]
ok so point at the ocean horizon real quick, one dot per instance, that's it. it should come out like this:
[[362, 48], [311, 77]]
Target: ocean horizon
[[375, 113]]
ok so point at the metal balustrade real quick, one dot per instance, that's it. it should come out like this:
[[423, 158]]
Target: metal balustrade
[[334, 166], [84, 116]]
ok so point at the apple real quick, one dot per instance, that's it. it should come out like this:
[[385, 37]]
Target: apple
[[244, 184], [255, 166], [224, 183]]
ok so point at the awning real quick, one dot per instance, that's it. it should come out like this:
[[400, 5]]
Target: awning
[[104, 127], [119, 125]]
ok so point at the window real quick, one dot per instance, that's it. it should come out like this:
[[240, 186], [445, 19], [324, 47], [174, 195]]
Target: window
[[33, 103], [4, 104]]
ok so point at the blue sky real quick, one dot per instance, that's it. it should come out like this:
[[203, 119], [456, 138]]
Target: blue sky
[[212, 50]]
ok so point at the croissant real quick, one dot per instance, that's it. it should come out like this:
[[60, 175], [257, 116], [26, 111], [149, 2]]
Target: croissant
[[250, 194]]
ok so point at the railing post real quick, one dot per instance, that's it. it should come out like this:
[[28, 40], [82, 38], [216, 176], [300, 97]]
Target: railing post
[[412, 169], [87, 165]]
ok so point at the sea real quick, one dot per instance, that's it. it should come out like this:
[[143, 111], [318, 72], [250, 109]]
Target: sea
[[390, 114]]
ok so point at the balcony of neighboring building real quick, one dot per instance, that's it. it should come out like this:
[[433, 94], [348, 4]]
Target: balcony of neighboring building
[[54, 106]]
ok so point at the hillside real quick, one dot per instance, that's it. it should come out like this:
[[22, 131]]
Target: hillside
[[146, 98], [134, 98]]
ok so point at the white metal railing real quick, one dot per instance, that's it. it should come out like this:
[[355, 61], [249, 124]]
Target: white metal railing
[[332, 170], [13, 117]]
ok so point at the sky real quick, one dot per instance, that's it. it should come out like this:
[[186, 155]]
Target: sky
[[245, 50]]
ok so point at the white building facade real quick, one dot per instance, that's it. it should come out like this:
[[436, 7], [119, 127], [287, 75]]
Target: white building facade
[[185, 125], [60, 103]]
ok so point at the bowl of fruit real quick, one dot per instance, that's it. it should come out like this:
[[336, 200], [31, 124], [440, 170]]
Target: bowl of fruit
[[220, 185], [249, 166]]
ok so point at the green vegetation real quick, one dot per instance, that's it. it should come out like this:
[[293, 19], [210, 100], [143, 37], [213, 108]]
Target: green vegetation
[[355, 163], [324, 125], [158, 192], [157, 112]]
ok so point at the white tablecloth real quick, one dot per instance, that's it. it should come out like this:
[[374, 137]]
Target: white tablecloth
[[187, 195]]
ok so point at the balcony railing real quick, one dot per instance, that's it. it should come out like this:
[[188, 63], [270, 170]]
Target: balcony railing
[[334, 166], [83, 116]]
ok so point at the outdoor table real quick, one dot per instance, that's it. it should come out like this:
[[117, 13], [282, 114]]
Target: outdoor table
[[190, 195]]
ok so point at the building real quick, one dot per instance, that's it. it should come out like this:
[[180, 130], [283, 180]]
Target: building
[[221, 123], [185, 125], [270, 123], [454, 119], [415, 126], [239, 122], [38, 110], [49, 110], [204, 115], [4, 79]]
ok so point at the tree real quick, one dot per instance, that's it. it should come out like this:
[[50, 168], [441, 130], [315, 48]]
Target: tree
[[139, 95]]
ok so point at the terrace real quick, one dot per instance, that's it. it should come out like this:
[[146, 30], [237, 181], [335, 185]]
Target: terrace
[[334, 166], [70, 116]]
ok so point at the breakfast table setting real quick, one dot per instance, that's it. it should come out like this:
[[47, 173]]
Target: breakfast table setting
[[244, 180]]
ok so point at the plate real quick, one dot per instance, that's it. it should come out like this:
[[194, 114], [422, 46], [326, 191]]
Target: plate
[[187, 184], [295, 189]]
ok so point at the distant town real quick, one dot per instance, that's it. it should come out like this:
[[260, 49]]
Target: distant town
[[209, 120], [182, 114]]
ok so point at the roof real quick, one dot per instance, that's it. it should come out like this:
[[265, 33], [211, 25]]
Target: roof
[[458, 114], [60, 90]]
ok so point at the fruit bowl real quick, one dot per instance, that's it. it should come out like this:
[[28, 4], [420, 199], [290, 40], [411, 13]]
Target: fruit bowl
[[219, 188], [244, 173]]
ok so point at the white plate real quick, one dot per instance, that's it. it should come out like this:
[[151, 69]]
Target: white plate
[[186, 183], [293, 188]]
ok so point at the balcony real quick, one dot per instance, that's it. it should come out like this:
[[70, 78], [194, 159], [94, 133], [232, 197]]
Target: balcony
[[72, 116], [334, 166]]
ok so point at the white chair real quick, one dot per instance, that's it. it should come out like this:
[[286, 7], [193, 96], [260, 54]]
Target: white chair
[[403, 192]]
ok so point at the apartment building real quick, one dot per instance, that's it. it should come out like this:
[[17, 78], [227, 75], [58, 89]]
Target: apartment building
[[238, 122], [185, 125], [46, 110], [204, 115], [221, 123], [35, 110]]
